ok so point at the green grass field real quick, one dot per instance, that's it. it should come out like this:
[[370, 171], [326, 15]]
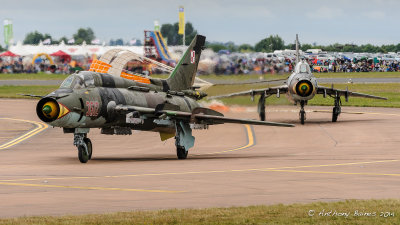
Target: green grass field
[[359, 75], [14, 91], [357, 211], [32, 76], [390, 91], [243, 77]]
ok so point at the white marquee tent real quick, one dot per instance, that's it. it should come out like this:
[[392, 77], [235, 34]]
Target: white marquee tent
[[73, 50]]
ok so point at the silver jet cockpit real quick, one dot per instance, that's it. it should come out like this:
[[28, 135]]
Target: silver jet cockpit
[[302, 67]]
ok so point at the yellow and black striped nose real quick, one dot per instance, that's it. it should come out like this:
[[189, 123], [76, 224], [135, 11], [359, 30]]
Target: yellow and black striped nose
[[304, 88], [48, 110]]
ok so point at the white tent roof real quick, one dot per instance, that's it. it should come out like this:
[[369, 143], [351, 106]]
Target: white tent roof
[[74, 50]]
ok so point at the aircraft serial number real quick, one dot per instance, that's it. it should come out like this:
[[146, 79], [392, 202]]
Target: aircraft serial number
[[93, 108]]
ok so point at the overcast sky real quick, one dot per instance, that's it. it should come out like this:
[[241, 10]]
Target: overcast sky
[[240, 21]]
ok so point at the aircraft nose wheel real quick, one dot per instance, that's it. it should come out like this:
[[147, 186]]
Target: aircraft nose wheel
[[89, 146], [84, 146], [302, 115]]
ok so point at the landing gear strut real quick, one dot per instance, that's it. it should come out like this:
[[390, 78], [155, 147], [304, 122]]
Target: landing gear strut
[[337, 109], [302, 113], [183, 139], [84, 146], [180, 150]]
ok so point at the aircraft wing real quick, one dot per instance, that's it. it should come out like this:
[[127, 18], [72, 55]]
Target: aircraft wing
[[210, 119], [33, 96], [346, 93], [198, 115], [267, 91]]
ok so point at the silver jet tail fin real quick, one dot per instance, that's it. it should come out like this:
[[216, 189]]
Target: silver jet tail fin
[[297, 49]]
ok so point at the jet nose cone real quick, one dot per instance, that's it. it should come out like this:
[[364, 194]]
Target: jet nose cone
[[50, 109], [47, 109]]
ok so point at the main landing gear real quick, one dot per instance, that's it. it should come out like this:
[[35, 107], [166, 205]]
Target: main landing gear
[[181, 152], [261, 106], [84, 146], [302, 113], [336, 109], [183, 139]]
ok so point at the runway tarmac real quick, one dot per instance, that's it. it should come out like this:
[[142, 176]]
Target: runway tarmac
[[231, 165]]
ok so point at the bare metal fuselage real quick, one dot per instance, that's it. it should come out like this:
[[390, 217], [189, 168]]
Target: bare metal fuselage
[[297, 79]]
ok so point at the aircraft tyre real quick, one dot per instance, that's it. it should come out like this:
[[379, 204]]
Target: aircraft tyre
[[181, 152], [89, 146], [335, 114], [302, 115], [85, 151], [262, 116]]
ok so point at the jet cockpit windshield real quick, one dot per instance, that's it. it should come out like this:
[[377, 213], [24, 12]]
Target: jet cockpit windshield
[[73, 82], [302, 68]]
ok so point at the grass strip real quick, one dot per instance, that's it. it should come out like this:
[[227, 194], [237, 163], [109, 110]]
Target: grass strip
[[344, 212]]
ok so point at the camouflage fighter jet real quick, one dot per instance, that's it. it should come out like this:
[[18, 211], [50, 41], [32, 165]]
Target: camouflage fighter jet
[[117, 105], [301, 86]]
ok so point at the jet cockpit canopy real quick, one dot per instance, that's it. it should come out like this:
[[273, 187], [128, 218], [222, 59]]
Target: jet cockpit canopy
[[78, 81], [302, 67]]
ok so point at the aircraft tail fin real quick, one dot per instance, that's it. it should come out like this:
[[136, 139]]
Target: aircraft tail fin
[[182, 77]]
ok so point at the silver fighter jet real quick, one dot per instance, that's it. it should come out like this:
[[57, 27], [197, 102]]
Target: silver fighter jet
[[300, 87]]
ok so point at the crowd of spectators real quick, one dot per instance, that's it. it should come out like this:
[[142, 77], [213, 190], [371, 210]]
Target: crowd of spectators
[[346, 65], [221, 65], [286, 65], [17, 65]]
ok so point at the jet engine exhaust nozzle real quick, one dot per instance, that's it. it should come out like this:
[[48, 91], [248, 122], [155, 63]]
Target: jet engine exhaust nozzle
[[48, 110], [304, 88]]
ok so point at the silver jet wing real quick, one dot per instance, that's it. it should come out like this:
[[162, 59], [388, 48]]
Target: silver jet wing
[[198, 115], [266, 91], [346, 93]]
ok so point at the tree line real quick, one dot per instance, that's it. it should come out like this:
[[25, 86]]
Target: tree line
[[170, 33], [275, 42], [83, 34]]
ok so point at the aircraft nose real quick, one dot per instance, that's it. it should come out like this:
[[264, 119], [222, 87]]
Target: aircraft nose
[[48, 109]]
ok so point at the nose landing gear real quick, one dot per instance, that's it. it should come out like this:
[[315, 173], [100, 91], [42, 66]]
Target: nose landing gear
[[302, 113], [84, 146]]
